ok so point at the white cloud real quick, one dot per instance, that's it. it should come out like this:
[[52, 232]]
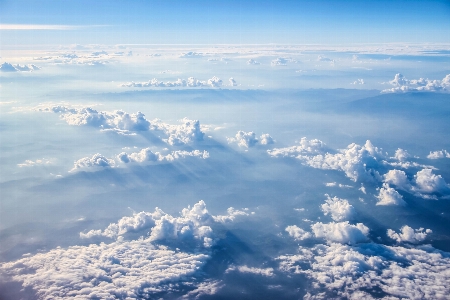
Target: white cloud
[[268, 272], [401, 155], [7, 67], [323, 58], [341, 232], [339, 209], [297, 233], [97, 160], [205, 288], [146, 155], [340, 185], [401, 84], [188, 131], [244, 139], [232, 82], [122, 269], [281, 61], [389, 196], [266, 139], [37, 162], [358, 82], [214, 82], [358, 162], [231, 216], [407, 234], [397, 178], [439, 154], [352, 272], [427, 182], [253, 62], [190, 54]]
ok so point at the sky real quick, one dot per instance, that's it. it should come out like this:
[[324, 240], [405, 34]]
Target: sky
[[218, 22], [224, 150]]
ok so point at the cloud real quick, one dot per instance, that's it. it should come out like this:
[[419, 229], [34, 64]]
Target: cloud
[[204, 288], [364, 270], [188, 131], [323, 58], [358, 162], [122, 269], [339, 209], [146, 155], [407, 234], [190, 54], [401, 84], [358, 82], [397, 178], [427, 182], [38, 27], [97, 160], [7, 67], [244, 139], [232, 82], [268, 272], [231, 216], [37, 162], [389, 196], [401, 155], [213, 82], [340, 185], [341, 232], [253, 62], [439, 154], [297, 233], [281, 61]]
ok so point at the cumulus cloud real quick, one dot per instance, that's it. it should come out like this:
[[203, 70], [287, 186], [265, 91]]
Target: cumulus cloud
[[355, 272], [124, 269], [253, 62], [231, 215], [397, 178], [97, 160], [7, 67], [389, 196], [213, 82], [146, 155], [409, 235], [341, 232], [266, 139], [297, 233], [232, 82], [244, 139], [358, 82], [401, 84], [268, 272], [190, 54], [438, 154], [358, 162], [37, 162], [281, 61], [188, 131], [339, 209], [427, 182]]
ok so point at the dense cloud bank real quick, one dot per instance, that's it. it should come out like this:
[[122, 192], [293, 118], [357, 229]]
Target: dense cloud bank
[[401, 84]]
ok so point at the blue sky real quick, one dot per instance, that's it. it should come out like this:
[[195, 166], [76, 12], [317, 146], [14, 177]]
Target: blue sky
[[237, 22]]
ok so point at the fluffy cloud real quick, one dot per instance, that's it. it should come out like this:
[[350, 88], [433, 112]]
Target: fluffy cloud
[[401, 84], [397, 178], [146, 155], [439, 154], [7, 67], [123, 123], [341, 232], [37, 162], [389, 196], [232, 82], [232, 214], [249, 139], [268, 272], [358, 82], [124, 269], [281, 61], [339, 209], [353, 272], [253, 62], [427, 182], [407, 234], [190, 54], [358, 162], [214, 82], [297, 233], [97, 160]]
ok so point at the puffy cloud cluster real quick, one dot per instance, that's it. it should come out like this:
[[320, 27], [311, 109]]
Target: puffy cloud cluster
[[409, 235], [249, 139], [146, 155], [253, 62], [7, 67], [120, 270], [341, 232], [232, 215], [357, 272], [281, 61], [358, 162], [297, 233], [97, 160], [37, 162], [358, 82], [425, 184], [214, 82], [124, 123], [339, 209], [439, 154], [401, 84], [252, 270], [389, 196]]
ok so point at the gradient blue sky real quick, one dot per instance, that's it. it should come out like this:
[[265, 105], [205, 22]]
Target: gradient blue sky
[[222, 22]]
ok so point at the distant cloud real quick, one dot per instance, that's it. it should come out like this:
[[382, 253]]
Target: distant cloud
[[297, 233], [97, 160], [401, 84], [323, 58], [249, 139], [268, 272], [339, 209], [407, 234], [281, 61], [253, 62], [7, 67], [439, 154], [389, 196], [213, 82], [190, 54], [37, 162], [341, 232], [358, 82]]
